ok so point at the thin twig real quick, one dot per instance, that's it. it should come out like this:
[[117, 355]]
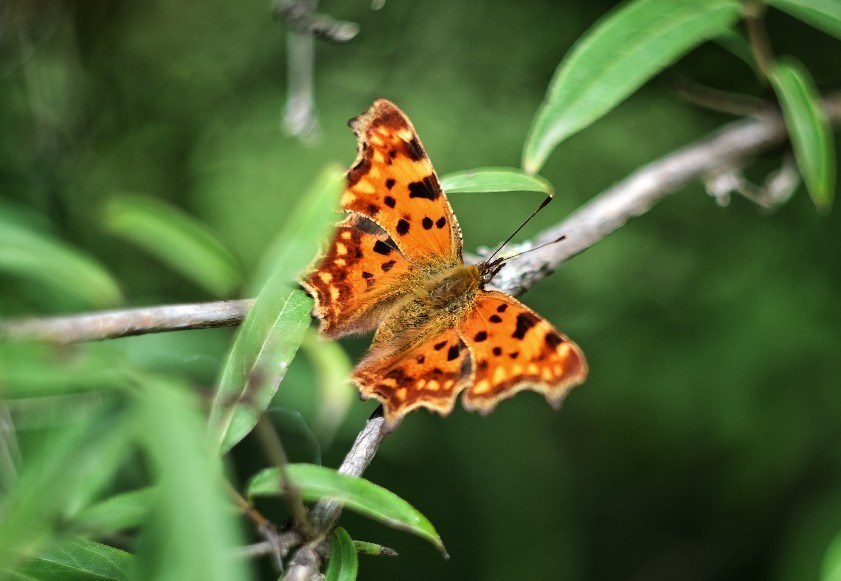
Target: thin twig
[[127, 322], [274, 449], [604, 214], [758, 36], [306, 562]]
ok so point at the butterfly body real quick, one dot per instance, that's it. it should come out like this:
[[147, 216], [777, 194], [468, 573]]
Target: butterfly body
[[395, 264]]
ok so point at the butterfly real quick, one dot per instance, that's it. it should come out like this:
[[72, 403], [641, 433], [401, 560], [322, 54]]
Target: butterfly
[[395, 264]]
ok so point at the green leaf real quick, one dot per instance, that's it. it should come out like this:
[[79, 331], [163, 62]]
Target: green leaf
[[176, 239], [275, 326], [336, 394], [615, 57], [317, 482], [809, 129], [77, 460], [831, 567], [39, 370], [191, 530], [823, 14], [495, 179], [78, 560], [366, 548], [344, 564], [33, 255], [117, 513]]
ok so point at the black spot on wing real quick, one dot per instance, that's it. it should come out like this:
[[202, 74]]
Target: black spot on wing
[[386, 266], [497, 351], [495, 319], [413, 149], [390, 202], [439, 346], [402, 227], [480, 336], [426, 188], [441, 222], [373, 209], [453, 352], [501, 308], [553, 339], [382, 248], [525, 321], [427, 223], [389, 183]]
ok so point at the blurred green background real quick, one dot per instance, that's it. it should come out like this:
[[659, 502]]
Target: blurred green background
[[706, 443]]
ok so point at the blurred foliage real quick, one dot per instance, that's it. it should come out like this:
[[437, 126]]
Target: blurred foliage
[[704, 444]]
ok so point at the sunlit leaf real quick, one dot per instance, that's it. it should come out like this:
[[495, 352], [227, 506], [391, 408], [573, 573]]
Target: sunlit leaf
[[343, 564], [494, 179], [275, 326], [335, 392], [360, 495], [809, 128], [78, 560], [32, 255], [831, 567], [616, 56], [823, 14], [191, 531], [176, 239], [117, 513]]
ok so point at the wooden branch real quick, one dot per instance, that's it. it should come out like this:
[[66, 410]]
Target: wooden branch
[[605, 213]]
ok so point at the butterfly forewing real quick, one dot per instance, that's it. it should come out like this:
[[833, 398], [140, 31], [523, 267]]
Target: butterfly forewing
[[394, 184]]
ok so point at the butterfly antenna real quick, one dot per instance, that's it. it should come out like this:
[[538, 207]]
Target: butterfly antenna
[[507, 240], [556, 240]]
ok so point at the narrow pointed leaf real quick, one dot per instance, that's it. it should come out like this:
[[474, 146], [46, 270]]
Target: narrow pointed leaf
[[190, 531], [275, 326], [614, 58], [343, 564], [823, 14], [335, 392], [809, 129], [176, 239], [117, 513], [360, 495], [78, 560], [494, 179], [29, 254]]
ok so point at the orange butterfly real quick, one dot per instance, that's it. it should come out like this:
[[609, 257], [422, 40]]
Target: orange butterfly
[[395, 263]]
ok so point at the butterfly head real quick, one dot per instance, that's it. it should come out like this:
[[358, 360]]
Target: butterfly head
[[489, 269]]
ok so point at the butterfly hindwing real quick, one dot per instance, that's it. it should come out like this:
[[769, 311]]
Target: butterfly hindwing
[[513, 349], [430, 375], [393, 183]]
